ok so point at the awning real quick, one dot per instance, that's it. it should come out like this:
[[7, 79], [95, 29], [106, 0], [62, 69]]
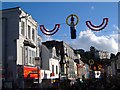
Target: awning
[[28, 43]]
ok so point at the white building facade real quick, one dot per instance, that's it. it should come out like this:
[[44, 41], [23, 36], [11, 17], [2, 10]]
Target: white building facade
[[27, 32], [20, 41], [54, 64], [49, 62]]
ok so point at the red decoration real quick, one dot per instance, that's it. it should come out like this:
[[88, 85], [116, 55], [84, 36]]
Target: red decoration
[[99, 27], [47, 32], [94, 67], [52, 74]]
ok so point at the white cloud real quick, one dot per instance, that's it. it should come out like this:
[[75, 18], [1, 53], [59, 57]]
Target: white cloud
[[116, 28], [92, 7], [118, 33], [88, 38]]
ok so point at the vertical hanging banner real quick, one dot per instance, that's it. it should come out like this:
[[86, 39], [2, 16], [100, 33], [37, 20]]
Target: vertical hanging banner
[[72, 25]]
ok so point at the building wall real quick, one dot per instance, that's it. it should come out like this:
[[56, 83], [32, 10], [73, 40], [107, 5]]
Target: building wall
[[66, 57], [44, 57], [13, 40], [81, 69], [75, 69], [76, 64], [69, 59], [38, 50], [26, 55], [113, 69], [12, 23], [87, 71], [46, 74], [10, 32], [109, 71], [55, 64], [118, 62], [101, 54], [1, 51]]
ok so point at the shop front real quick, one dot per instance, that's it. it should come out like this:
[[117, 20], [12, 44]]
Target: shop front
[[29, 75]]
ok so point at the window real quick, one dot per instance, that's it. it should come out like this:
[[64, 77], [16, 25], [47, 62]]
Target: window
[[33, 57], [29, 32], [56, 69], [33, 34], [26, 54], [22, 28], [52, 68], [30, 58]]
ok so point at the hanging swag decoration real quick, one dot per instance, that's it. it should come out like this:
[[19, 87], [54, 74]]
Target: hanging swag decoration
[[99, 27], [49, 32]]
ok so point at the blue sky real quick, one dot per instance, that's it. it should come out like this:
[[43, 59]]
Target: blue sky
[[60, 0], [51, 13]]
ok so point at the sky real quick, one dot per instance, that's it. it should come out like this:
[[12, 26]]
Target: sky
[[60, 0], [51, 13]]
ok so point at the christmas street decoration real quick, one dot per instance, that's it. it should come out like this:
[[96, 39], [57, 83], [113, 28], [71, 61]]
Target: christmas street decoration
[[72, 25], [99, 27], [49, 32]]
